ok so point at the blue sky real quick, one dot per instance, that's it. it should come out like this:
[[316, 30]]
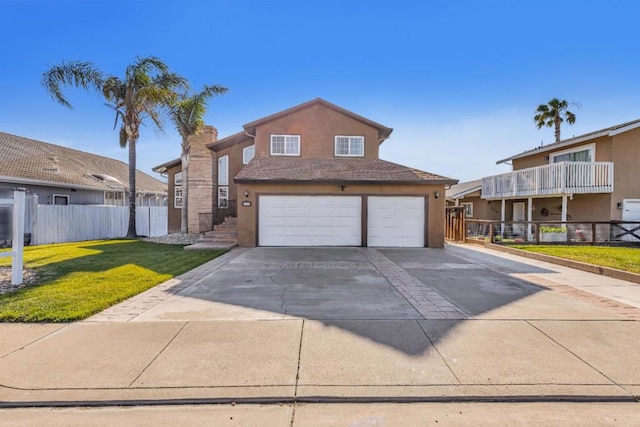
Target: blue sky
[[458, 81]]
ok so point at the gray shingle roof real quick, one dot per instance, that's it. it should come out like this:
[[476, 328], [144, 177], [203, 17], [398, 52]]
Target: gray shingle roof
[[572, 140], [287, 169], [464, 188], [48, 164]]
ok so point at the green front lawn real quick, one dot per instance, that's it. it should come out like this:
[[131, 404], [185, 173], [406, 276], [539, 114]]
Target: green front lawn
[[622, 258], [77, 280]]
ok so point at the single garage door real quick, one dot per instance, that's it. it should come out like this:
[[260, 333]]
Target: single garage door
[[310, 221], [396, 221]]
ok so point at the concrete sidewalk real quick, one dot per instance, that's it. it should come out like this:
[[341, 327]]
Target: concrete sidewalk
[[298, 360], [346, 324]]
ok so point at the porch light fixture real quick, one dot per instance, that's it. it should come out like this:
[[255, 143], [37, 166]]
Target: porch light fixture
[[342, 187], [436, 194], [619, 205], [246, 193]]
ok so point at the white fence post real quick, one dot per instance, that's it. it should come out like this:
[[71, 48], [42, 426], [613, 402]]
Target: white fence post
[[17, 241], [17, 235]]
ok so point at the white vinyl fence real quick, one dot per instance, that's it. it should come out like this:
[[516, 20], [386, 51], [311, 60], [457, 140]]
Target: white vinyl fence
[[75, 223]]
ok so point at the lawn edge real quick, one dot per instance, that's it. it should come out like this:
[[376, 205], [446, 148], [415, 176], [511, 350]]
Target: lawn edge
[[614, 273]]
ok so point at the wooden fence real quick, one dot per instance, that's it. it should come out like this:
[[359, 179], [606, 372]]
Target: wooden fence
[[454, 223], [75, 223]]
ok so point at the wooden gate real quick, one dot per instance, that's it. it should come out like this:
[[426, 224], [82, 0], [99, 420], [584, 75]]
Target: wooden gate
[[454, 223]]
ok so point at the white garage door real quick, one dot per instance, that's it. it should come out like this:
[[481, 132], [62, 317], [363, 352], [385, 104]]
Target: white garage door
[[310, 221], [396, 221]]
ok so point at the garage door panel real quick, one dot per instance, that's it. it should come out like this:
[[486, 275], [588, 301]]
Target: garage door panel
[[396, 221], [310, 221]]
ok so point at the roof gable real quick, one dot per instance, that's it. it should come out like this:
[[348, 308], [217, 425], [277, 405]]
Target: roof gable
[[383, 131]]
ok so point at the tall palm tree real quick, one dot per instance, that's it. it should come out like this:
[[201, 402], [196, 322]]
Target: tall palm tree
[[553, 113], [147, 86], [187, 113]]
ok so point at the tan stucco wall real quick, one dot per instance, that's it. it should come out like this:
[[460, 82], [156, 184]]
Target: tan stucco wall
[[317, 126], [235, 165], [626, 158], [174, 215], [247, 216]]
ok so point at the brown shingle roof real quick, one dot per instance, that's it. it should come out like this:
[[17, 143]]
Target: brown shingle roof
[[287, 169], [28, 160]]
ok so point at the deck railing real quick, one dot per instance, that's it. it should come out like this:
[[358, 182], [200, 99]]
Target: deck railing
[[553, 179]]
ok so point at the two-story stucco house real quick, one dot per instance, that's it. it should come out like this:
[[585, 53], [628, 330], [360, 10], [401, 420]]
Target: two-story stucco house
[[591, 177], [308, 176]]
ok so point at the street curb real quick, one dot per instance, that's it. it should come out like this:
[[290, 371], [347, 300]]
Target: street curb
[[591, 268]]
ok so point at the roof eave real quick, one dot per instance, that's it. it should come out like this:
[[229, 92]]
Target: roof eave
[[345, 181], [553, 147], [163, 167]]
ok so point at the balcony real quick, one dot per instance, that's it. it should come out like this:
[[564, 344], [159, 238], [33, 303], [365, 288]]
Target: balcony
[[555, 179]]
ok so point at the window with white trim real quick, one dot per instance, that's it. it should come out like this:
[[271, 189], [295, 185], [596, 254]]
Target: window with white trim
[[177, 197], [177, 178], [349, 146], [223, 170], [285, 145], [468, 209], [223, 197], [248, 153], [584, 153]]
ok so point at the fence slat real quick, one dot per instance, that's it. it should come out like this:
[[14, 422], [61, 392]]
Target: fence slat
[[74, 223]]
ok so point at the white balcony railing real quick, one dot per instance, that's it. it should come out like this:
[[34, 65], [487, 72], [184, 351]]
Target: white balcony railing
[[553, 179]]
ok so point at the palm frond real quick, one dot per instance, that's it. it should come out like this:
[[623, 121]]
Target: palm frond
[[84, 75]]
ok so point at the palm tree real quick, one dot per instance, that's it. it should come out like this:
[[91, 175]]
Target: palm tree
[[147, 86], [554, 113], [187, 113]]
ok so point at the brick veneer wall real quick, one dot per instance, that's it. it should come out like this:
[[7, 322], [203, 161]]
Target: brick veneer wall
[[201, 179]]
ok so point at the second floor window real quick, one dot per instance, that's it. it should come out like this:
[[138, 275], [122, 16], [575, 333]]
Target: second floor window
[[350, 146], [285, 145], [223, 170], [248, 153]]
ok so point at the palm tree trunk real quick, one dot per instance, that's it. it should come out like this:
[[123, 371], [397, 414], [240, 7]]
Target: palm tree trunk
[[557, 130], [131, 232], [184, 228]]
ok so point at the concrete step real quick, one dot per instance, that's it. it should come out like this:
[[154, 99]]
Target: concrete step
[[224, 226], [220, 233], [210, 246], [218, 240]]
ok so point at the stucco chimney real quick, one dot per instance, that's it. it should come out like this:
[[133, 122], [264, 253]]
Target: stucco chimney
[[200, 208]]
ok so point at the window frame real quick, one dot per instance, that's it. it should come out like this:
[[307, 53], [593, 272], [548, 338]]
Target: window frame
[[225, 181], [177, 179], [66, 196], [226, 198], [335, 145], [244, 154], [586, 147], [285, 145], [468, 209], [176, 197]]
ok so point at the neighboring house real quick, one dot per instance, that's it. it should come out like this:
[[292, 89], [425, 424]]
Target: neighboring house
[[64, 176], [308, 176], [591, 177], [468, 194]]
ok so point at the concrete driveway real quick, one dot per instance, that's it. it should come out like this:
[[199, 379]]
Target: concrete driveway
[[314, 324]]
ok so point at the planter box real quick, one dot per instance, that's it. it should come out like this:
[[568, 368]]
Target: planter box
[[553, 237]]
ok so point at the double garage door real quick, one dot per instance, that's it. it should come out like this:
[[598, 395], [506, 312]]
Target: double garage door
[[338, 221]]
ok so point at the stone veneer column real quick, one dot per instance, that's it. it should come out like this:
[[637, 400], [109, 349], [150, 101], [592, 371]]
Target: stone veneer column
[[201, 178]]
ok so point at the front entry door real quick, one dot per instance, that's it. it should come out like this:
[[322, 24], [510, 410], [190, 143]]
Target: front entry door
[[518, 215]]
